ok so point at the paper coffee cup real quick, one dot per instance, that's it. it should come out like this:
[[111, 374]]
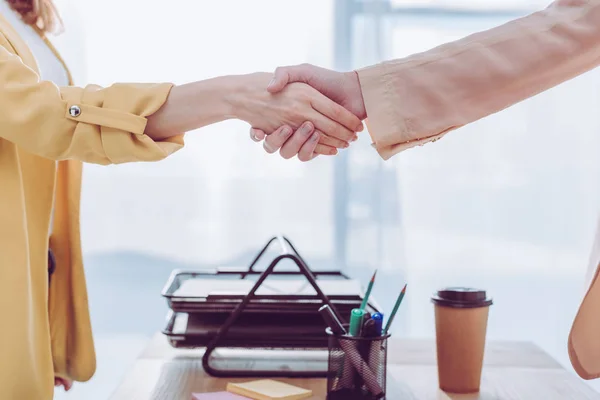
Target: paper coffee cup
[[461, 316]]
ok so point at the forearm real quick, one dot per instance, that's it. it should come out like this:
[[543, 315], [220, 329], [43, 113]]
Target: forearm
[[194, 105], [420, 98]]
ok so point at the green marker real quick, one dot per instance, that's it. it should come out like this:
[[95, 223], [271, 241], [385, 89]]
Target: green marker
[[356, 322], [393, 314], [369, 288]]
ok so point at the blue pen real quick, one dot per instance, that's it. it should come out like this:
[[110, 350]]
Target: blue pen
[[378, 318]]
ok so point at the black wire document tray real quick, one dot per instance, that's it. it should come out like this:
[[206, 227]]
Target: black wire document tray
[[241, 309]]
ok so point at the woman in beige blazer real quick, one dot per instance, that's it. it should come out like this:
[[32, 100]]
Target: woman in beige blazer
[[46, 131], [419, 99]]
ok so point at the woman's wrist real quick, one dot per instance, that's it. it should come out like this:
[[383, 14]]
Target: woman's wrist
[[194, 105], [357, 100], [246, 94]]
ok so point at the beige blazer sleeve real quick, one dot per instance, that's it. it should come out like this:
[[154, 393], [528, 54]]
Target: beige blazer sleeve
[[420, 98]]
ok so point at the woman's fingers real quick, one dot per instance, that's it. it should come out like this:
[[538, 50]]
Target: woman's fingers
[[307, 151], [325, 150], [66, 383], [329, 142], [331, 128], [300, 139], [257, 135], [295, 143], [274, 141], [333, 142], [337, 113], [310, 150]]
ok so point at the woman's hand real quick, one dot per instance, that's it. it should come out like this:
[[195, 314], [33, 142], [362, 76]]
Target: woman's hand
[[65, 383], [343, 88], [290, 142], [296, 104], [303, 142]]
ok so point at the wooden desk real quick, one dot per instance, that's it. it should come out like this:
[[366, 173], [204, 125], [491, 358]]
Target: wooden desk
[[512, 371]]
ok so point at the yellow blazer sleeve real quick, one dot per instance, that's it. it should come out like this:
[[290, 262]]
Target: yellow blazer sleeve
[[107, 129], [420, 98]]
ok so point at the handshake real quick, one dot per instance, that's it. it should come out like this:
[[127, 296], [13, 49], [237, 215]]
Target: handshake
[[328, 114], [299, 111]]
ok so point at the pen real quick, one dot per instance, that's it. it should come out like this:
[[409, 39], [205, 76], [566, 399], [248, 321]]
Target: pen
[[332, 321], [366, 317], [377, 350], [364, 345], [346, 372], [369, 329], [356, 321], [378, 318], [373, 353], [393, 314], [369, 288]]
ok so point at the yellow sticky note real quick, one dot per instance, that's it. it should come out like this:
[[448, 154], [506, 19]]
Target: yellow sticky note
[[267, 389]]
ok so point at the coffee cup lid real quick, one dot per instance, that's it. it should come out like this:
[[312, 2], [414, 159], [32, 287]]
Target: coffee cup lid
[[461, 297]]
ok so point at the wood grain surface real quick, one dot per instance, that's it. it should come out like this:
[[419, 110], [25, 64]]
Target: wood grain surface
[[512, 371]]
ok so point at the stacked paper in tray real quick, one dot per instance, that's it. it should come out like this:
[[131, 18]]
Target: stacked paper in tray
[[296, 294], [283, 314]]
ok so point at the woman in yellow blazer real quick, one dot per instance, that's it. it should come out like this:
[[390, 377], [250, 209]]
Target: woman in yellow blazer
[[46, 131], [420, 98]]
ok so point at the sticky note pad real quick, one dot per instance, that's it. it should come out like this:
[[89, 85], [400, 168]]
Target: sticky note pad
[[217, 396], [268, 389]]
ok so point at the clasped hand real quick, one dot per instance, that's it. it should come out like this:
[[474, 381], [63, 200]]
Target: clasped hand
[[331, 103]]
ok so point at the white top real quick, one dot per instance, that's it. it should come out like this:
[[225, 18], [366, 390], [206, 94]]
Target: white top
[[51, 69], [68, 44]]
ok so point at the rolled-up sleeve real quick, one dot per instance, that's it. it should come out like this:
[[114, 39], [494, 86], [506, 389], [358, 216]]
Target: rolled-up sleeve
[[421, 98], [90, 124]]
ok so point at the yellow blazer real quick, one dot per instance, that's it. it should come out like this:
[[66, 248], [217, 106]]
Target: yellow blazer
[[46, 329]]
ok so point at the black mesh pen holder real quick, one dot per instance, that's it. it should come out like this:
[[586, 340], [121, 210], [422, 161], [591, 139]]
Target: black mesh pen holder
[[357, 367]]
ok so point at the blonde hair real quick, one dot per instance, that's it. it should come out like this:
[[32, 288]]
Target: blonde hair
[[39, 13]]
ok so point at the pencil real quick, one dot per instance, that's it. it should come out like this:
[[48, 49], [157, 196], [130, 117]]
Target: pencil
[[369, 288], [394, 311]]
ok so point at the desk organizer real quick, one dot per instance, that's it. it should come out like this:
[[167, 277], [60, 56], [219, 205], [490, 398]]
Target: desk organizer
[[357, 367], [243, 311]]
